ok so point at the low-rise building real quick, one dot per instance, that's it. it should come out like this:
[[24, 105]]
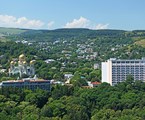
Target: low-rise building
[[49, 60], [94, 84], [28, 83], [96, 66], [68, 76]]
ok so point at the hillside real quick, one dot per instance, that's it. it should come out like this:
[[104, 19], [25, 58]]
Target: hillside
[[10, 31], [52, 35], [107, 43], [5, 32], [74, 33], [72, 51]]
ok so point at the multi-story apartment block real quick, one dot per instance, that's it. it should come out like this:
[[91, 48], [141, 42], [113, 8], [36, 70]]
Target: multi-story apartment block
[[116, 70]]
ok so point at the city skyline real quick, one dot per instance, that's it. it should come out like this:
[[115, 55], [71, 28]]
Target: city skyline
[[97, 14]]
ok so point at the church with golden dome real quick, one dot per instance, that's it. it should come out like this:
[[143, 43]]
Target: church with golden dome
[[22, 67]]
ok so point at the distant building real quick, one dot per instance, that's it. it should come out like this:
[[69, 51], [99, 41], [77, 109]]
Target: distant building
[[88, 50], [115, 70], [58, 82], [27, 83], [112, 49], [68, 76], [3, 70], [95, 54], [22, 68], [94, 84], [49, 60], [96, 66]]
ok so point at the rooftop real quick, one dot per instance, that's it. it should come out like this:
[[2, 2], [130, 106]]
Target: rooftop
[[96, 83], [24, 80]]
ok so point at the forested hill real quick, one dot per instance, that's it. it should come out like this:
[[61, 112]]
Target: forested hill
[[10, 31], [52, 35], [80, 32], [65, 33], [107, 43], [47, 35]]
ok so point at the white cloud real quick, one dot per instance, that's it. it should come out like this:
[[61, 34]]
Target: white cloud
[[22, 22], [50, 24], [78, 23], [85, 23], [101, 26]]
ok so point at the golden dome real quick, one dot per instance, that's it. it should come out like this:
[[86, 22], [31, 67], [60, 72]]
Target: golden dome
[[32, 61], [22, 56], [19, 62], [12, 62], [24, 62]]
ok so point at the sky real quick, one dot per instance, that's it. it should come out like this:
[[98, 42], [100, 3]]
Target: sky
[[54, 14]]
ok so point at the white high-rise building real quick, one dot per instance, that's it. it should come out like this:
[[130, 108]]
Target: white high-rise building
[[116, 70]]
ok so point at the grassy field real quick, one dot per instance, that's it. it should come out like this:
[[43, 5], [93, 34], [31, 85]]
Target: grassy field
[[11, 30], [4, 40], [140, 42]]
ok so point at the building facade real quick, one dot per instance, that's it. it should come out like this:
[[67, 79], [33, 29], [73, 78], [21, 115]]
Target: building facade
[[27, 83], [22, 67], [115, 70]]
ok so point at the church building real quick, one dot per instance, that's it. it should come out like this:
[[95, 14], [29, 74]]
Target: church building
[[22, 67]]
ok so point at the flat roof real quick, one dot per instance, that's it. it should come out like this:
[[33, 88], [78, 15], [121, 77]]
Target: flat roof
[[115, 59], [31, 80]]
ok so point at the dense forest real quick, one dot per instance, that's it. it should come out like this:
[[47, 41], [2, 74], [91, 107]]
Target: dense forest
[[124, 101], [72, 51]]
